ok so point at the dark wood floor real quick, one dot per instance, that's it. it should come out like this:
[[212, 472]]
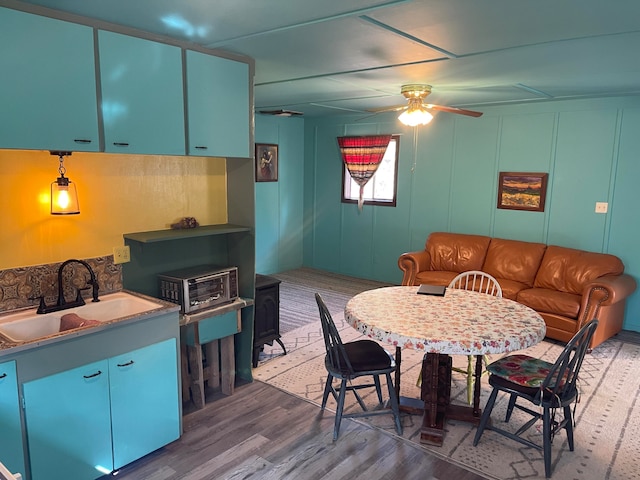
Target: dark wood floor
[[264, 433]]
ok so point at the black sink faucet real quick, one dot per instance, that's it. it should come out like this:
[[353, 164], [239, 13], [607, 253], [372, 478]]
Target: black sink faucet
[[61, 303], [93, 282]]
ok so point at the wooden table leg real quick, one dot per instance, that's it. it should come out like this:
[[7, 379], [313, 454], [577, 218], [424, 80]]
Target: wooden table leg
[[436, 394]]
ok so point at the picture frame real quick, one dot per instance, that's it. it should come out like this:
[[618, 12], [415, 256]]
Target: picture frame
[[522, 191], [266, 158]]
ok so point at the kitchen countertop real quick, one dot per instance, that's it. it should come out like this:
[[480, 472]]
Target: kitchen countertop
[[8, 347]]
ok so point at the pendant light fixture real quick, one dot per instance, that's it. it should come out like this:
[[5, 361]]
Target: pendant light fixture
[[64, 197]]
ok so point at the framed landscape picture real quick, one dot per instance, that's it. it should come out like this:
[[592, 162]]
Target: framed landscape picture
[[522, 191], [266, 162]]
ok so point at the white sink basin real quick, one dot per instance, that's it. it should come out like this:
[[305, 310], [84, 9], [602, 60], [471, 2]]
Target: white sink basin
[[28, 325]]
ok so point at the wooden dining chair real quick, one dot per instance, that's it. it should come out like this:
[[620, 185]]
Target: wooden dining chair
[[348, 361], [548, 386], [482, 282]]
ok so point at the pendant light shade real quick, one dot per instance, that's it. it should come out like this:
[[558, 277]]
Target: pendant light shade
[[416, 114], [64, 197]]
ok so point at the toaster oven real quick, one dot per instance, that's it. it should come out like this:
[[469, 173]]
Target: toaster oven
[[199, 288]]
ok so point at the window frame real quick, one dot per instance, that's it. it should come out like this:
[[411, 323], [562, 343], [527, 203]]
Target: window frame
[[381, 203]]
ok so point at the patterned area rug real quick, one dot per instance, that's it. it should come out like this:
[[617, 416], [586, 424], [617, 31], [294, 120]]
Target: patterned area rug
[[607, 435]]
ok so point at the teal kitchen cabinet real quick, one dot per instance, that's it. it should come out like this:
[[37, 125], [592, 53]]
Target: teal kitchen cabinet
[[88, 421], [11, 451], [145, 412], [142, 95], [48, 93], [68, 423], [218, 108]]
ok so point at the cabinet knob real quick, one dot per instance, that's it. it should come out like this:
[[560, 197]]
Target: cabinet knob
[[99, 372], [130, 362], [3, 375], [81, 140], [121, 144], [199, 147]]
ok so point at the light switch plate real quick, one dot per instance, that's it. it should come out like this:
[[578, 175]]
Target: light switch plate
[[602, 207]]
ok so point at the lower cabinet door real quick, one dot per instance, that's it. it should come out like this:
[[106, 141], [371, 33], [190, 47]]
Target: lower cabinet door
[[145, 408], [11, 451], [68, 424]]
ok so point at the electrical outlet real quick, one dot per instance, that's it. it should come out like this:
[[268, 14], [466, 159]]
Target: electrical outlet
[[121, 254], [602, 207]]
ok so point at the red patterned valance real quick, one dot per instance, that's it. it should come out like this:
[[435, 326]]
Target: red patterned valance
[[362, 155]]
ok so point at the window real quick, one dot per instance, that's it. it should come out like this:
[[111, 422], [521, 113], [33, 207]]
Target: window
[[381, 188]]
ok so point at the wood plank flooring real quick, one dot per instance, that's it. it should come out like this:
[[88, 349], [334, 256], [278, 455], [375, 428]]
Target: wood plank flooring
[[264, 433]]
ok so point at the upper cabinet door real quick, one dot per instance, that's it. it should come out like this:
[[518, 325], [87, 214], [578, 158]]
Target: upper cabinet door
[[218, 106], [48, 84], [142, 95]]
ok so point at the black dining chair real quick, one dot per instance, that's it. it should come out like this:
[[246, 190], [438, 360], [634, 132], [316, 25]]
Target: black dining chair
[[549, 386], [348, 361]]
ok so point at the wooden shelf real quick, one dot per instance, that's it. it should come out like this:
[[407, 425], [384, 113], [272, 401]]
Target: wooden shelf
[[179, 234]]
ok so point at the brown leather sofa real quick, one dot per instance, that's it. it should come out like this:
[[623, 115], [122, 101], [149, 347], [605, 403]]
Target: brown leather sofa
[[566, 286]]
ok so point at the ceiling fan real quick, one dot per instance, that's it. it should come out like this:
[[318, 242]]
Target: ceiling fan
[[416, 112]]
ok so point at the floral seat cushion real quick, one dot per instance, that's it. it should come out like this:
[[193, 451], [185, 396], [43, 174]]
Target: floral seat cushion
[[521, 369]]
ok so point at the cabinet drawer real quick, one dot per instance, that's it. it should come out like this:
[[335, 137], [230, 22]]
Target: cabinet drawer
[[213, 328]]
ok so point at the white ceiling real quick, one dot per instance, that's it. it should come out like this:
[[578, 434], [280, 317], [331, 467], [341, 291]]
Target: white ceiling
[[322, 57]]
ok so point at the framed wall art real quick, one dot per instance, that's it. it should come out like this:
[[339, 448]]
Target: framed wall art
[[266, 162], [522, 191]]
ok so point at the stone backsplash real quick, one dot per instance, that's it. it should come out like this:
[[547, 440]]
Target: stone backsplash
[[22, 287]]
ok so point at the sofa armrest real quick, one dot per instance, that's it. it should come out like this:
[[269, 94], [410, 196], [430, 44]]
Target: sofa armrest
[[619, 287], [604, 291], [411, 263]]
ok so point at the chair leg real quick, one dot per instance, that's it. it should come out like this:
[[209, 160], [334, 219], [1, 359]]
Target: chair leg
[[510, 407], [376, 381], [546, 440], [486, 414], [395, 408], [327, 389], [343, 392], [568, 416], [470, 378]]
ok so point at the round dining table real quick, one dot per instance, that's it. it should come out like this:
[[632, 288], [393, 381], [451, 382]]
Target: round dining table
[[460, 322]]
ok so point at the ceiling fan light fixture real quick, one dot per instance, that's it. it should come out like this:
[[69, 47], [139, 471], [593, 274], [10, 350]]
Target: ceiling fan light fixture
[[416, 114]]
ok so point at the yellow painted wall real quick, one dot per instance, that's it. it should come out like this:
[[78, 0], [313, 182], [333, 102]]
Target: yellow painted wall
[[117, 194]]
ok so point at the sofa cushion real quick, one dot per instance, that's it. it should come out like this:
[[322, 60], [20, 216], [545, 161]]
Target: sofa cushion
[[455, 252], [435, 278], [514, 260], [569, 270], [510, 288], [551, 301]]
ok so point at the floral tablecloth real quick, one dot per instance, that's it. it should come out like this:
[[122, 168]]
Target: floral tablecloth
[[460, 323]]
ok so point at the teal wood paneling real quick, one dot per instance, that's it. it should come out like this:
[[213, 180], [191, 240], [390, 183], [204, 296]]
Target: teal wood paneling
[[428, 166], [473, 195], [10, 426], [267, 227], [625, 226], [327, 175], [291, 185], [280, 205], [69, 423], [526, 145], [581, 177]]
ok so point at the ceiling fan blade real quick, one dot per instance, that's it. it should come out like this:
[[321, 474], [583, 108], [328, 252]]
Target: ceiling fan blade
[[397, 108], [460, 111]]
